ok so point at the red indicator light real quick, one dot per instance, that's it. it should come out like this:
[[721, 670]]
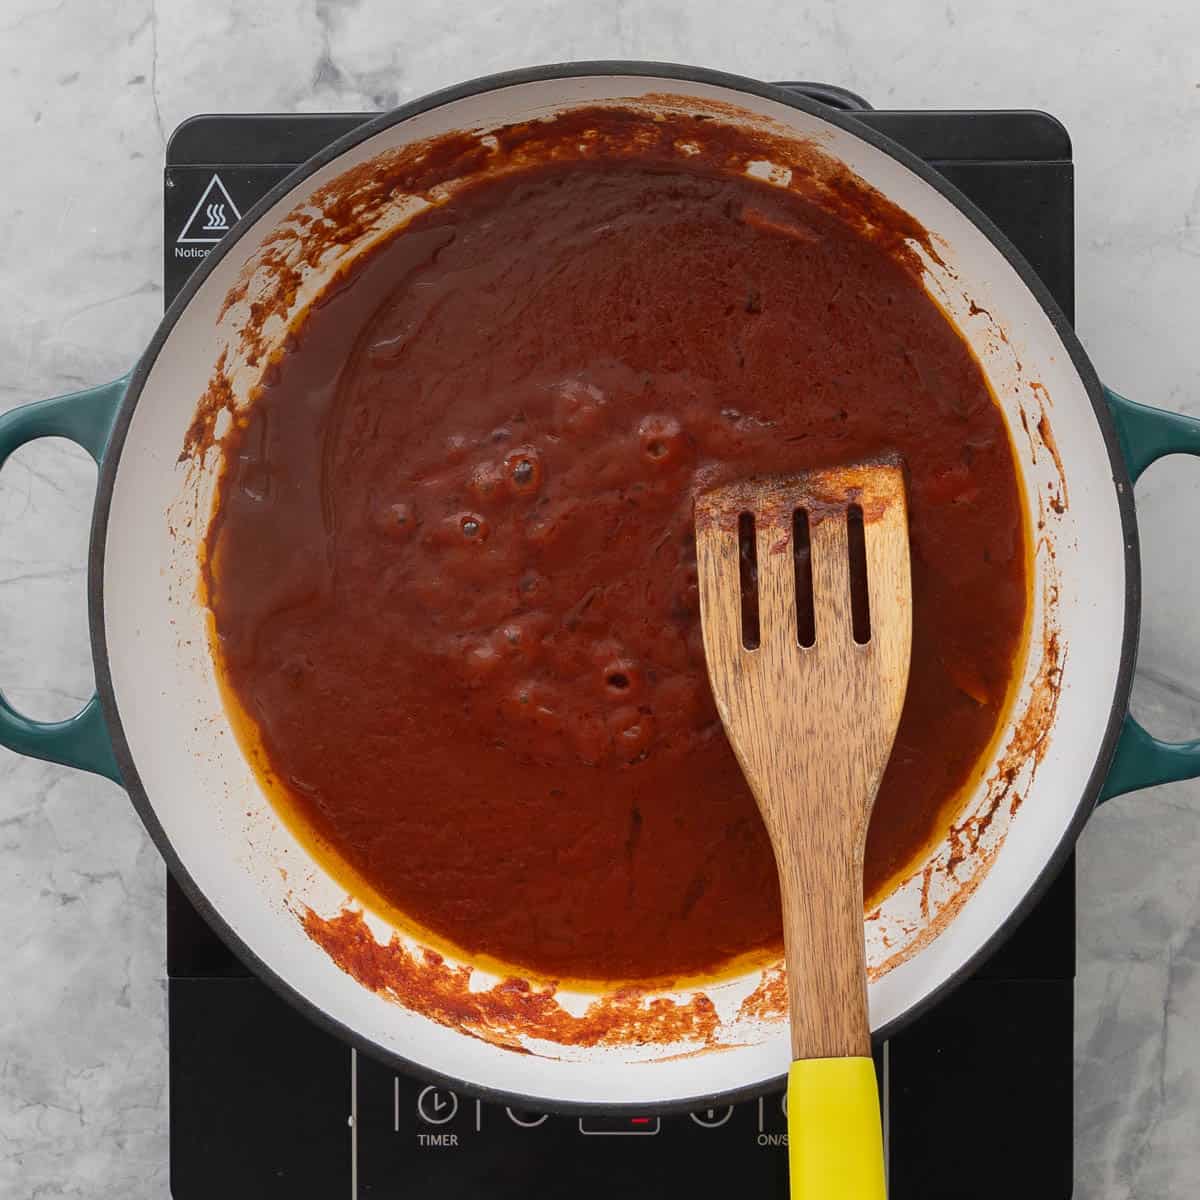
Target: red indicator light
[[620, 1126]]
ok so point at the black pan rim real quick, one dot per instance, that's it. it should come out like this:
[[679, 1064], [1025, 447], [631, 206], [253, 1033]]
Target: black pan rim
[[679, 73]]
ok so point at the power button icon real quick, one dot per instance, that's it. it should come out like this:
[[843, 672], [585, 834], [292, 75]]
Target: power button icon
[[436, 1106], [712, 1118]]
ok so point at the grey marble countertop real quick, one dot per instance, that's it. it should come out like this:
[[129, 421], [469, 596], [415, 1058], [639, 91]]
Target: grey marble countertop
[[88, 94]]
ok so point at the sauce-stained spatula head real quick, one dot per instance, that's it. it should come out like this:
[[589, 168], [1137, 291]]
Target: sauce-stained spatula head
[[806, 604]]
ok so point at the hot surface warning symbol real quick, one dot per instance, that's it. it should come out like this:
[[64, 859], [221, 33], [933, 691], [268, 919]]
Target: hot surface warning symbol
[[211, 219]]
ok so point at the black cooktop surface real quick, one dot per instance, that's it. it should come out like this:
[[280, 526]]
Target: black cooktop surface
[[265, 1105]]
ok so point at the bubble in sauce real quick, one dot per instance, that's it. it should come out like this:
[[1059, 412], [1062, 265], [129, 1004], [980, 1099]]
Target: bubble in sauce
[[623, 678], [663, 440], [474, 527], [396, 521], [523, 471]]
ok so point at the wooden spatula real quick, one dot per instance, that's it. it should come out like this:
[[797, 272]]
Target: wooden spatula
[[806, 604]]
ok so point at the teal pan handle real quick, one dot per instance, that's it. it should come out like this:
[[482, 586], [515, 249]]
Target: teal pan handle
[[1145, 435], [86, 418], [1141, 760]]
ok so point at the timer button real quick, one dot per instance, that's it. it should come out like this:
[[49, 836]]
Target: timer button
[[436, 1106]]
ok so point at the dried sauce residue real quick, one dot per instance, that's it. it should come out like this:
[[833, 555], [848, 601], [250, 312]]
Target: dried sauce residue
[[1029, 434], [1059, 502], [513, 1010], [218, 398], [768, 1001], [926, 880], [1030, 738]]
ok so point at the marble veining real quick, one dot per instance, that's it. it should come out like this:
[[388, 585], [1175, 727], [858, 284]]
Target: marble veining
[[88, 95]]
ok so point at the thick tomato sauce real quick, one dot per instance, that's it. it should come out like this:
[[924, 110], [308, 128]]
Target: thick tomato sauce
[[452, 570]]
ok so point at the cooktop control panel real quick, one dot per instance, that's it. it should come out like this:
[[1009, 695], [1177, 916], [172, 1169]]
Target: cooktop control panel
[[407, 1129]]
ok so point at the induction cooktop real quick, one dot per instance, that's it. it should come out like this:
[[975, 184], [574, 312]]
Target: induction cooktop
[[263, 1104]]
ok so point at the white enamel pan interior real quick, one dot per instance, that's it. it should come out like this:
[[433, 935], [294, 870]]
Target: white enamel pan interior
[[250, 875]]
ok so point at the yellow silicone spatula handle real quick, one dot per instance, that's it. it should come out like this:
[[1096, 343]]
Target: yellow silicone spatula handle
[[835, 1140]]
